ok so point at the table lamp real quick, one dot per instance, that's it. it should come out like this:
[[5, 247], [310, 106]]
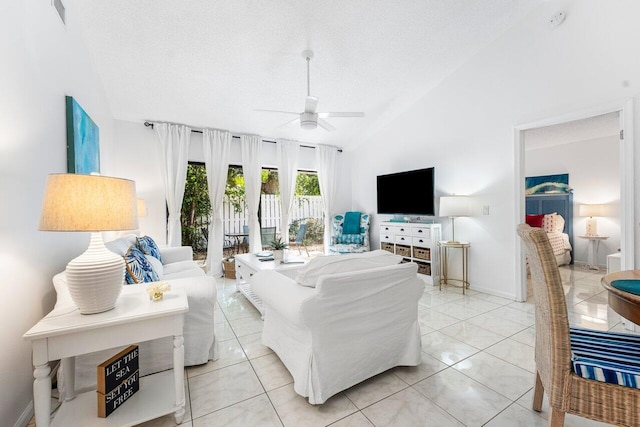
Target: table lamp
[[591, 211], [142, 208], [454, 206], [74, 202]]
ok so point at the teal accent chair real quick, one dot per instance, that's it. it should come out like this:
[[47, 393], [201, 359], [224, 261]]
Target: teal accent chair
[[349, 243]]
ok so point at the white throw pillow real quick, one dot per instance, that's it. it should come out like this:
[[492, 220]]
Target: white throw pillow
[[331, 264], [156, 265]]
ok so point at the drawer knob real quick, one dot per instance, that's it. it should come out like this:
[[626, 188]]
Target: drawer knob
[[419, 231]]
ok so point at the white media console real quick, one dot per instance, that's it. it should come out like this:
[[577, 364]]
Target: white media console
[[416, 242]]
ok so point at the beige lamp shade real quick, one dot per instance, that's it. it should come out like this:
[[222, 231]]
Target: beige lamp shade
[[454, 206], [74, 202], [591, 210]]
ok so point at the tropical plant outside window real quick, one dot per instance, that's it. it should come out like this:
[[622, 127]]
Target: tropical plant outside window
[[196, 210]]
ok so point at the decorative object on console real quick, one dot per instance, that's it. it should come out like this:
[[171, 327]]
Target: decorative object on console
[[592, 223], [83, 143], [91, 203], [453, 207]]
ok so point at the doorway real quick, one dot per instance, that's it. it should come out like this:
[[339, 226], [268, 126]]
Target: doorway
[[624, 112]]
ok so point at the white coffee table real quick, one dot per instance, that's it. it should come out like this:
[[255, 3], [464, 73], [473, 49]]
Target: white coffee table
[[249, 264], [64, 335]]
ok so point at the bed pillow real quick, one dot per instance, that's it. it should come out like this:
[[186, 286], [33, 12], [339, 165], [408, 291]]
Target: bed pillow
[[138, 269], [331, 264], [149, 247], [549, 222], [534, 220], [559, 223]]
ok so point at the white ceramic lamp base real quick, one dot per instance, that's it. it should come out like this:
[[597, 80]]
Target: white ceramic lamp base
[[592, 227], [95, 278]]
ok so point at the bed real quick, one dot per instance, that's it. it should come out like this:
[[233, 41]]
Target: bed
[[554, 213]]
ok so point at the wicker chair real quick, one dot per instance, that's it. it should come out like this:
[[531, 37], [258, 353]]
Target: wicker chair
[[567, 392]]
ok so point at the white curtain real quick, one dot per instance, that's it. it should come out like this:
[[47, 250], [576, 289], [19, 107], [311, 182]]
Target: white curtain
[[252, 170], [174, 152], [287, 172], [327, 159], [217, 146]]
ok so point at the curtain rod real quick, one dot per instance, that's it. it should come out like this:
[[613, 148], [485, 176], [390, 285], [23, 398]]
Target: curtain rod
[[150, 124]]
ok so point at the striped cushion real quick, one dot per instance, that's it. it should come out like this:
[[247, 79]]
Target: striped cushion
[[606, 356]]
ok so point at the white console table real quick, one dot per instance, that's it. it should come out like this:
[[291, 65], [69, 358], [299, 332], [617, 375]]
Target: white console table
[[249, 264], [64, 335], [416, 242]]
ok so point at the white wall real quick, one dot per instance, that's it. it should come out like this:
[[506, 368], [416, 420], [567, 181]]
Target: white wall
[[42, 61], [594, 174], [465, 126], [139, 160]]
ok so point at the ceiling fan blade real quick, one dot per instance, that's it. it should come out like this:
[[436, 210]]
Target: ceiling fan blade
[[325, 125], [325, 115], [276, 111], [289, 122], [310, 104]]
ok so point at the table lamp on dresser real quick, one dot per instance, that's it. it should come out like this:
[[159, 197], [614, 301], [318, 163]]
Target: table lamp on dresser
[[93, 203]]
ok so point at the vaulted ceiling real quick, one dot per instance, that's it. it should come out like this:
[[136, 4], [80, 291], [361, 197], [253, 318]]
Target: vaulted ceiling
[[213, 63]]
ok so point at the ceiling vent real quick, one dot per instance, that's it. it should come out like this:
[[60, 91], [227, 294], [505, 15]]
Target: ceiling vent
[[60, 9]]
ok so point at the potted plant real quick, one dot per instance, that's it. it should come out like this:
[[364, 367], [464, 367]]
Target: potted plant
[[278, 246]]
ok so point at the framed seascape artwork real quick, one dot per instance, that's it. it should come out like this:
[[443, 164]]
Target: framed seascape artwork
[[83, 141], [547, 184]]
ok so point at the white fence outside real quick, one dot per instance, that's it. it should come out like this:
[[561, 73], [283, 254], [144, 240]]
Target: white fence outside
[[304, 207]]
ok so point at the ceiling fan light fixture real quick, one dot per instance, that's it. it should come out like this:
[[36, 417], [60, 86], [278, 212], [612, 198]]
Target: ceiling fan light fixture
[[308, 121]]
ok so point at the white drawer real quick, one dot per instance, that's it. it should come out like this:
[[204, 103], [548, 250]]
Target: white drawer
[[243, 271], [424, 232], [403, 230], [386, 237], [388, 229], [403, 240], [421, 242]]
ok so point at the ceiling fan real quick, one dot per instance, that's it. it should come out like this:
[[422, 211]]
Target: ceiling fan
[[310, 118]]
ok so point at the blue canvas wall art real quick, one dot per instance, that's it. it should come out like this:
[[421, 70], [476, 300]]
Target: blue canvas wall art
[[547, 184], [83, 140]]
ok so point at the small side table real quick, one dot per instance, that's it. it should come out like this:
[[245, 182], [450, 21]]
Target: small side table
[[134, 319], [445, 247], [594, 242]]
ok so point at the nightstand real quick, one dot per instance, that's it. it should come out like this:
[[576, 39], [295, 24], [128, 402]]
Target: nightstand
[[594, 242]]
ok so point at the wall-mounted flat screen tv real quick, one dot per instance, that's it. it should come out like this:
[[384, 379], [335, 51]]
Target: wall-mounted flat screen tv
[[407, 193]]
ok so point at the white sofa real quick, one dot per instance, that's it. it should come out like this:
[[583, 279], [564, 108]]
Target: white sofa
[[181, 272], [351, 326]]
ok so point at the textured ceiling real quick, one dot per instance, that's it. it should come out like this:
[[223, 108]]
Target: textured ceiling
[[602, 126], [212, 63]]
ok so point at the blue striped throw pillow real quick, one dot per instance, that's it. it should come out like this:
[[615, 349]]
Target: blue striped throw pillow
[[606, 356]]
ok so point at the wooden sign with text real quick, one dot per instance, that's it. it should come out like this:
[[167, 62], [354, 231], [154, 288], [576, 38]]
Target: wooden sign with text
[[118, 380]]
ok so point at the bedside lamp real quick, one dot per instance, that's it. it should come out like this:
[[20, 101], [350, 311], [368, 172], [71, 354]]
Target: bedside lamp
[[74, 202], [591, 211], [454, 206]]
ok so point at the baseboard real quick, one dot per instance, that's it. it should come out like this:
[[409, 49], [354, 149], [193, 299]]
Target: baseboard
[[493, 292], [26, 416]]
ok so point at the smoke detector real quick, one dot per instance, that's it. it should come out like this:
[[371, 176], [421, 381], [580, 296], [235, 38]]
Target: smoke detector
[[557, 19]]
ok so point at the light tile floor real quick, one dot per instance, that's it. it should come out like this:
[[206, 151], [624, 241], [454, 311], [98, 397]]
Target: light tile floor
[[477, 367]]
